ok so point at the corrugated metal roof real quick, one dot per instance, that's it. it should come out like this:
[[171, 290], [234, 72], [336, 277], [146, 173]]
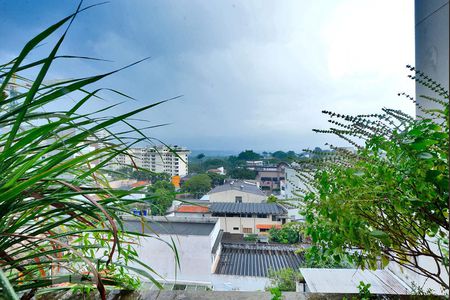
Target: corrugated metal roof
[[238, 186], [256, 259], [345, 281], [247, 208]]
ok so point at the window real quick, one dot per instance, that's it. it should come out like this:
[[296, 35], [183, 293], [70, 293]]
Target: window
[[238, 199], [261, 216], [275, 218], [235, 228], [247, 230]]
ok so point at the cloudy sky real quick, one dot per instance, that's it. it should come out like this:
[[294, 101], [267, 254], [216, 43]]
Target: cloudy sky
[[253, 74]]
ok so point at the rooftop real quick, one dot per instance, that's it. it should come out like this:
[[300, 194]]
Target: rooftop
[[347, 281], [247, 208], [171, 225], [256, 259], [237, 185], [192, 209]]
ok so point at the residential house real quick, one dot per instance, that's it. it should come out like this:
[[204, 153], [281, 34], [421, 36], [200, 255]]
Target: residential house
[[248, 218], [238, 191], [271, 178]]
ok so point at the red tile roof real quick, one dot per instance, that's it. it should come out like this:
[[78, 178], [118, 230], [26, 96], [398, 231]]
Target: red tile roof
[[192, 209], [140, 183]]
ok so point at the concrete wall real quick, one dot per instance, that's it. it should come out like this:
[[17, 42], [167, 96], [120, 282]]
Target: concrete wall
[[230, 196], [228, 223], [238, 283], [432, 43], [194, 252]]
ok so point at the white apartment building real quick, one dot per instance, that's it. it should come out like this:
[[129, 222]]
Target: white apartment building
[[159, 159]]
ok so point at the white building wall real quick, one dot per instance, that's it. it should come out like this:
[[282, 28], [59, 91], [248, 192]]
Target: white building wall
[[194, 252], [158, 160], [230, 196]]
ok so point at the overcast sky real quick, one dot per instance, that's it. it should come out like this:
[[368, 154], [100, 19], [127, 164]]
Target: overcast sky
[[253, 74]]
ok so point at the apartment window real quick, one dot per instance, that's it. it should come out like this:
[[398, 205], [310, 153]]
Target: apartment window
[[247, 230], [238, 199], [235, 228]]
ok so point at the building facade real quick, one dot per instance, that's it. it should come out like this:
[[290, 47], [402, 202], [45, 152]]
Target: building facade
[[160, 159], [248, 218]]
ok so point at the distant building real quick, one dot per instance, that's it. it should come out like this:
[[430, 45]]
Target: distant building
[[248, 218], [238, 191], [160, 159], [220, 171], [271, 179]]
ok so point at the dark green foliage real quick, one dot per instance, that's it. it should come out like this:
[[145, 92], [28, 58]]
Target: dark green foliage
[[249, 155], [198, 185], [285, 279], [364, 290], [216, 179], [288, 234], [390, 199], [161, 194], [242, 173]]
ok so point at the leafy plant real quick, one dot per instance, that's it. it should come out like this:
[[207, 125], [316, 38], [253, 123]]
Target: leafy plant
[[285, 279], [276, 293], [60, 224], [388, 202], [289, 233], [198, 184], [364, 290]]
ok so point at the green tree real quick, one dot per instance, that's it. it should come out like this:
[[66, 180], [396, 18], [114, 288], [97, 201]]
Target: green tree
[[390, 199], [216, 179], [242, 173], [285, 279], [289, 233], [280, 155], [249, 155], [198, 184], [161, 197]]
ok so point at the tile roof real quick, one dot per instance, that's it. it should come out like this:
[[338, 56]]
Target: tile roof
[[238, 185], [140, 183], [247, 208], [256, 259], [192, 209]]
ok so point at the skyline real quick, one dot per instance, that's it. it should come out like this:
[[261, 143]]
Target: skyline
[[253, 75]]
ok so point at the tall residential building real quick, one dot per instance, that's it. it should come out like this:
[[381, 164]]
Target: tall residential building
[[159, 159]]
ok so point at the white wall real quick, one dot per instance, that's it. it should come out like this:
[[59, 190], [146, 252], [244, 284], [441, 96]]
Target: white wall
[[238, 283], [194, 252], [230, 196]]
